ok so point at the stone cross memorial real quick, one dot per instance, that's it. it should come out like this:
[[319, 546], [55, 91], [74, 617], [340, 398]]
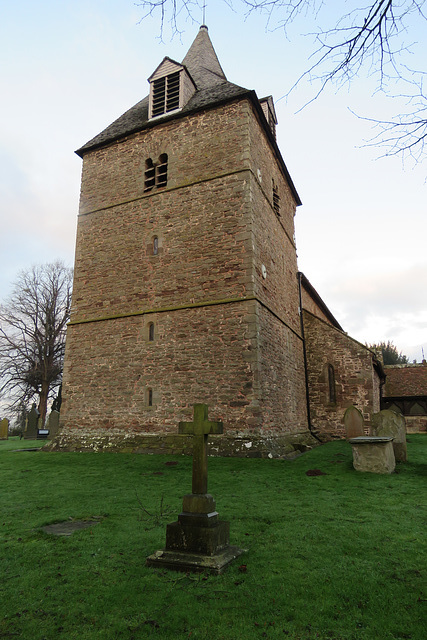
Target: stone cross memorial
[[200, 428], [198, 541]]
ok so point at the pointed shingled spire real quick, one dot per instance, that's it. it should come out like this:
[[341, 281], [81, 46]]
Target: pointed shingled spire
[[202, 62]]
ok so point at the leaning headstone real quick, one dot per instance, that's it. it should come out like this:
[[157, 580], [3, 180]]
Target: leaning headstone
[[4, 429], [198, 541], [353, 422], [390, 423], [52, 424], [32, 424]]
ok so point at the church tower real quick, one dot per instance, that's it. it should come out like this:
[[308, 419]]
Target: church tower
[[185, 285]]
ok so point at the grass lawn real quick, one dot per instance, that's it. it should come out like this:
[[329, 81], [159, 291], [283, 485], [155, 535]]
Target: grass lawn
[[334, 556]]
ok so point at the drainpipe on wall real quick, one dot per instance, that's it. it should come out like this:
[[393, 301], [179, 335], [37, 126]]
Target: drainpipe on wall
[[307, 390]]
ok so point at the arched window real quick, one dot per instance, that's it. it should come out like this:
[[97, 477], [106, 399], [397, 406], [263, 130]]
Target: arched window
[[156, 173], [149, 175], [162, 171], [331, 385], [155, 246], [151, 332], [150, 397]]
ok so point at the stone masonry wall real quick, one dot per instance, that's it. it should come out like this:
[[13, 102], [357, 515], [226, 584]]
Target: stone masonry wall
[[200, 219], [356, 382], [282, 376], [274, 251], [198, 355]]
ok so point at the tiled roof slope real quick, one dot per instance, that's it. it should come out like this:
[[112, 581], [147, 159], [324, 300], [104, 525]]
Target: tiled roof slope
[[405, 380]]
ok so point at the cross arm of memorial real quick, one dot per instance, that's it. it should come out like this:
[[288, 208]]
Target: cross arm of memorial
[[200, 428]]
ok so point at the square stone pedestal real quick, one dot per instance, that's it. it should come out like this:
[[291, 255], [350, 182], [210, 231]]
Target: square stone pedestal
[[198, 541], [373, 454]]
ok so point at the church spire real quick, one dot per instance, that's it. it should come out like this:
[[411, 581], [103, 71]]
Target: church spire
[[202, 61]]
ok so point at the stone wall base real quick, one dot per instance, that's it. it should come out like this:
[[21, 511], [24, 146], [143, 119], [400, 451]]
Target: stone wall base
[[416, 424], [259, 446]]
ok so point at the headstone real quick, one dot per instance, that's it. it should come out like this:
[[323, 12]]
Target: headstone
[[353, 422], [198, 541], [390, 423], [4, 429], [373, 454], [56, 404], [32, 424], [52, 424]]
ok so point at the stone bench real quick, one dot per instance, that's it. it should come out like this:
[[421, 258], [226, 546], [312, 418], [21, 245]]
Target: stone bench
[[373, 454]]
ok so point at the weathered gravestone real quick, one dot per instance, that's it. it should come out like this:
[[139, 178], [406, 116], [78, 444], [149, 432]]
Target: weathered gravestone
[[198, 541], [31, 429], [390, 423], [370, 453], [354, 423], [4, 429], [52, 424]]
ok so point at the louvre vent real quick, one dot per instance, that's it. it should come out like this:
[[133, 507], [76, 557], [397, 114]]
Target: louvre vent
[[165, 94]]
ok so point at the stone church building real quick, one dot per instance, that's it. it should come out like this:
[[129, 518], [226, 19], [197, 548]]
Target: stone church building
[[186, 285]]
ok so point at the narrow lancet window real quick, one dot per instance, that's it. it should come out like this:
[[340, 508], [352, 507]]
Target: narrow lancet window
[[155, 246], [151, 332], [150, 397], [331, 385]]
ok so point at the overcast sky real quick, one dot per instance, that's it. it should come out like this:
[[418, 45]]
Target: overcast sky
[[69, 68]]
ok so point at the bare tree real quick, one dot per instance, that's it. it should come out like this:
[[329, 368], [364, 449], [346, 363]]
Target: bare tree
[[371, 38], [32, 334]]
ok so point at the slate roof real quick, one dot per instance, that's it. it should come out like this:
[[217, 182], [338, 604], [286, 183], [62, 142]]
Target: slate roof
[[136, 118], [213, 89], [202, 63]]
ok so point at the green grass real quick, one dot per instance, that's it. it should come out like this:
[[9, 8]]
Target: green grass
[[335, 556]]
